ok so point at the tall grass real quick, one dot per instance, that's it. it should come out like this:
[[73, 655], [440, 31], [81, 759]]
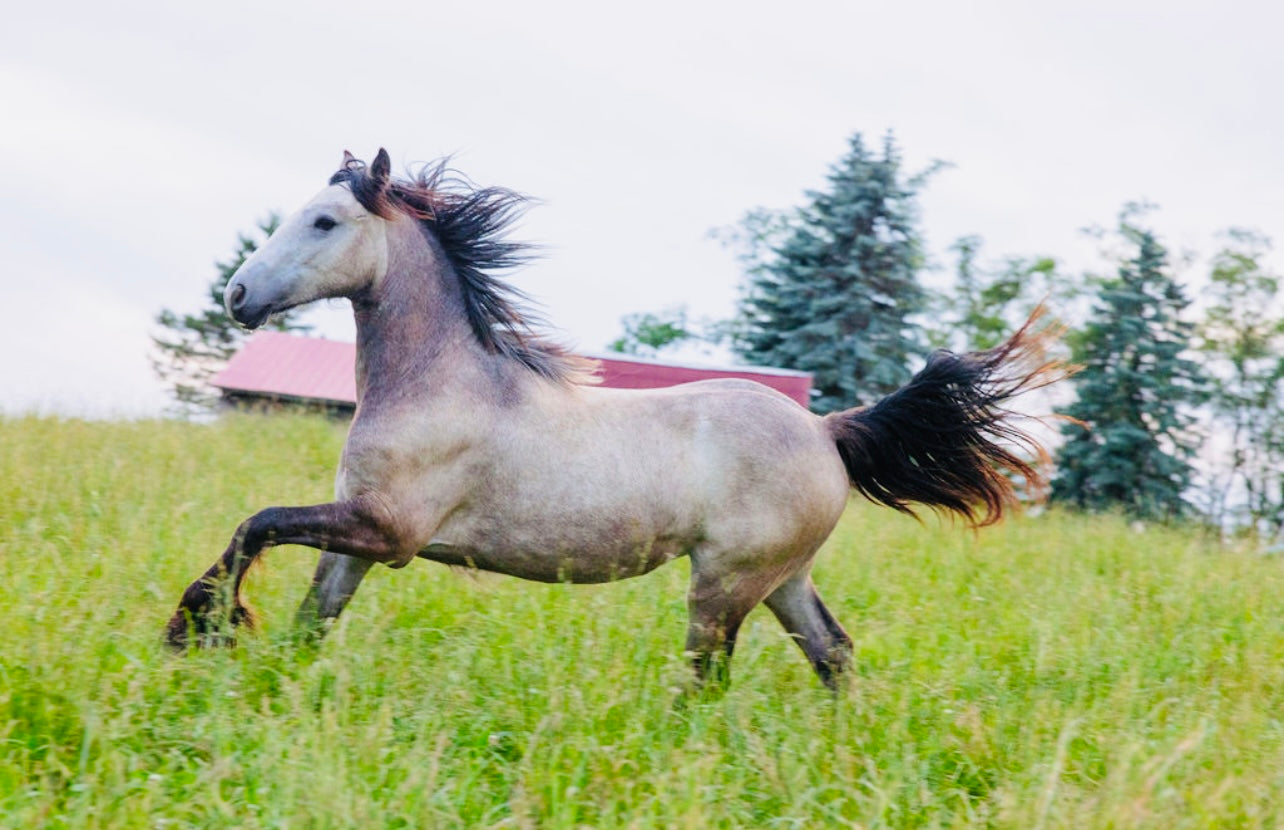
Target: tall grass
[[1055, 671]]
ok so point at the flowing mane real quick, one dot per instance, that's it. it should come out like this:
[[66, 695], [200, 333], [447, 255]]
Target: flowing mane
[[470, 224]]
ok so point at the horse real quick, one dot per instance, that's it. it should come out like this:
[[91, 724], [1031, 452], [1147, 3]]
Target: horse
[[481, 443]]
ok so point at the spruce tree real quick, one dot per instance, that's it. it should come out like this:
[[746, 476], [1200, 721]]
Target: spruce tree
[[194, 347], [835, 296], [1136, 392]]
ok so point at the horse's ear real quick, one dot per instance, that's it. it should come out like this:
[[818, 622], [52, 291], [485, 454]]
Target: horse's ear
[[381, 168], [348, 158]]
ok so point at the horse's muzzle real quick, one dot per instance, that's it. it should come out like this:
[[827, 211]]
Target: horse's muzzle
[[249, 314]]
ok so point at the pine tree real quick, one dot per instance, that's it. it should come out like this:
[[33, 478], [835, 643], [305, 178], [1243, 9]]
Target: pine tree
[[835, 296], [194, 347], [1135, 392]]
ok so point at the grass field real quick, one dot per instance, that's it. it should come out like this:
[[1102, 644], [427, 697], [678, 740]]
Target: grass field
[[1056, 671]]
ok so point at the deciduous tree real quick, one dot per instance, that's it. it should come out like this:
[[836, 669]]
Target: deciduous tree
[[648, 333], [1243, 341], [989, 302]]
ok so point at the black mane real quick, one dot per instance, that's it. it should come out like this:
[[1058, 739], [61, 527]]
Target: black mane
[[470, 224]]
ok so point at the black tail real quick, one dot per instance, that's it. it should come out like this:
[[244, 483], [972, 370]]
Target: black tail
[[944, 439]]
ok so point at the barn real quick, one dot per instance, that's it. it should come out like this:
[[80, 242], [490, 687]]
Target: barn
[[275, 369]]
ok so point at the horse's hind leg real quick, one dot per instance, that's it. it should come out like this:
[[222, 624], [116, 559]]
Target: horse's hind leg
[[718, 603], [800, 610], [335, 581]]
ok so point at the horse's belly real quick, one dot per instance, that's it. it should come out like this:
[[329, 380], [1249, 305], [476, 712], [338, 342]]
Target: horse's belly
[[558, 561], [572, 524]]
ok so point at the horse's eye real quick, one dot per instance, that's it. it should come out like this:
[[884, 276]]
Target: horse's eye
[[324, 223]]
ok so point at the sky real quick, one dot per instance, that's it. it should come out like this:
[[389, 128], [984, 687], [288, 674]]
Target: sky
[[140, 138]]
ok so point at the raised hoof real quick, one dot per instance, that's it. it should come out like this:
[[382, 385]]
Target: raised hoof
[[204, 629]]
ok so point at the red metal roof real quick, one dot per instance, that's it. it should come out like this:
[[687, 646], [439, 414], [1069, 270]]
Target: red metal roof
[[276, 364], [628, 372], [284, 365]]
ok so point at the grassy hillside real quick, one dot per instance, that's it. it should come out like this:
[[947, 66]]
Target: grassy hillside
[[1053, 672]]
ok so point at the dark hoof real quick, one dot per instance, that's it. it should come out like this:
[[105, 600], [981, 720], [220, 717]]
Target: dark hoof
[[176, 634], [204, 628]]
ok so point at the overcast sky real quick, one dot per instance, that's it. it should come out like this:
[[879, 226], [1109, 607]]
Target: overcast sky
[[141, 137]]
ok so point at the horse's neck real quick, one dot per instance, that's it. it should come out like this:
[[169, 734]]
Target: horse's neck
[[412, 325]]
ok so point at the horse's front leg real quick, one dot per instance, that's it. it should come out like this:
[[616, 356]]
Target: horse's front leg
[[335, 581], [212, 604]]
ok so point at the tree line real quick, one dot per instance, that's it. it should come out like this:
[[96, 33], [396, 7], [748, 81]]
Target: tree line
[[834, 287]]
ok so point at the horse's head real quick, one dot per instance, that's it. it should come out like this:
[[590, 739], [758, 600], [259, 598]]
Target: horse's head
[[333, 247]]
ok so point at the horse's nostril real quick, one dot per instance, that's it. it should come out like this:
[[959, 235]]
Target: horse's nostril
[[238, 295]]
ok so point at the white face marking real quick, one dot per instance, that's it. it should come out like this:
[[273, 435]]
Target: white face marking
[[332, 247]]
